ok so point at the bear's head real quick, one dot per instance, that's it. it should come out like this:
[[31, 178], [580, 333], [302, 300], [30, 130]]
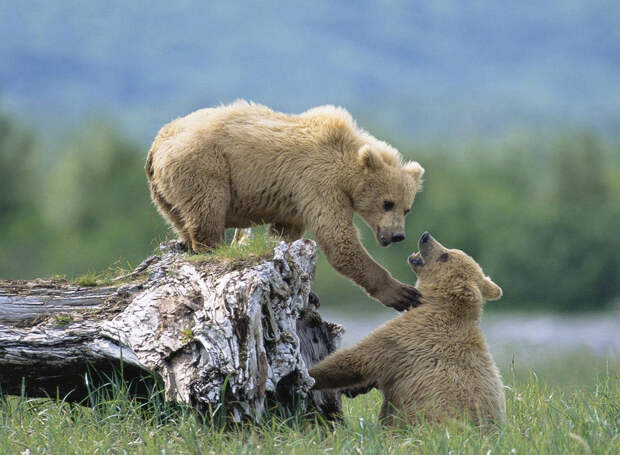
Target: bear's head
[[385, 190], [450, 275]]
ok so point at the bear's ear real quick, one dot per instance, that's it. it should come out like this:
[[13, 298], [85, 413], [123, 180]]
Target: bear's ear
[[465, 292], [369, 159], [414, 169], [490, 290], [470, 293]]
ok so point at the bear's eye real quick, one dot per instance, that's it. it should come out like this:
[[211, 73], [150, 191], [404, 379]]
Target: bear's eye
[[388, 205], [407, 211], [444, 257]]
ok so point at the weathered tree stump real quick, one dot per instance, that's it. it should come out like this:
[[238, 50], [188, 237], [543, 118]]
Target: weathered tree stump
[[251, 329]]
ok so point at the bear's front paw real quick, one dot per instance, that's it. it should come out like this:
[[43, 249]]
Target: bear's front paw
[[400, 296]]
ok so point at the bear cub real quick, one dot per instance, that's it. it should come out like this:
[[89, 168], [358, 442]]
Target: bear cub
[[244, 164], [432, 362]]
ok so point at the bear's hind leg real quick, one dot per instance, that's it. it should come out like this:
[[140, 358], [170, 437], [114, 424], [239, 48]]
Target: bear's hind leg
[[206, 219], [199, 188], [170, 214]]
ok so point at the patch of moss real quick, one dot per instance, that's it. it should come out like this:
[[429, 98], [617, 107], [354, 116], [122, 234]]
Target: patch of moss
[[261, 246], [58, 277], [88, 279], [187, 335], [62, 319], [107, 277]]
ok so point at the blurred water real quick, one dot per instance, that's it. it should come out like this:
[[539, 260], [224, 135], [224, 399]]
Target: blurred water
[[508, 334]]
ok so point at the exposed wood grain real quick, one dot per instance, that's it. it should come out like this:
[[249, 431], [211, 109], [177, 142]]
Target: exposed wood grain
[[198, 326]]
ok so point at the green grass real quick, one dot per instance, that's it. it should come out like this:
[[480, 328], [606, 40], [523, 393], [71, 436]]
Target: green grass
[[234, 254], [543, 417], [261, 246], [89, 279], [105, 277]]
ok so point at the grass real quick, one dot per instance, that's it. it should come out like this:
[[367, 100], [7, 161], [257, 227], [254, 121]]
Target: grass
[[543, 417], [90, 279], [106, 277], [233, 254], [260, 246]]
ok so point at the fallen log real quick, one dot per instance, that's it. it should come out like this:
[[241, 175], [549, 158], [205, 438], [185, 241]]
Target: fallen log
[[244, 333]]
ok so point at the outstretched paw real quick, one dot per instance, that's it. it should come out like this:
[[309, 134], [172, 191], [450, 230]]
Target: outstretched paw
[[401, 297]]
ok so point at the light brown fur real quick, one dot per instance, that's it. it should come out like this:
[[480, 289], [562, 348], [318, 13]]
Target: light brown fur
[[244, 164], [432, 362]]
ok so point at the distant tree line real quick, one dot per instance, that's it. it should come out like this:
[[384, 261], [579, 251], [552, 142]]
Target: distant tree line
[[80, 208], [541, 216]]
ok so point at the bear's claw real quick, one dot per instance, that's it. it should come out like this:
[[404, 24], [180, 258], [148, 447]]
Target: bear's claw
[[409, 297]]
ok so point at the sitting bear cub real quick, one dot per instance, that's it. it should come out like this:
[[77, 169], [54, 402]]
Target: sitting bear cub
[[432, 362]]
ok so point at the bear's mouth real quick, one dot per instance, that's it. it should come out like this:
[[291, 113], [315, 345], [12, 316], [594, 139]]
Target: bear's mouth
[[416, 259]]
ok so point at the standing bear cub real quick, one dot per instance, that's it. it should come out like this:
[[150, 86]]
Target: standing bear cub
[[244, 164], [432, 362]]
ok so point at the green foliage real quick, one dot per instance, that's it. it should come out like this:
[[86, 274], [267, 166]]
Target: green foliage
[[98, 204], [82, 210], [543, 417], [539, 217], [17, 146], [20, 186]]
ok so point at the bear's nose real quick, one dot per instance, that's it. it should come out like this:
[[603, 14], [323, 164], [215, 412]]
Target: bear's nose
[[424, 237], [398, 237]]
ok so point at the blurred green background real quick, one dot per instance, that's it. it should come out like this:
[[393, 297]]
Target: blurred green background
[[512, 108], [541, 215]]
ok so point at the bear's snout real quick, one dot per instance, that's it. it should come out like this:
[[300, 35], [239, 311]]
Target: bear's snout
[[416, 260], [426, 244], [398, 237], [387, 237]]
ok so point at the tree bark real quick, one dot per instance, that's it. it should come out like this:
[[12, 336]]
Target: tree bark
[[242, 333]]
